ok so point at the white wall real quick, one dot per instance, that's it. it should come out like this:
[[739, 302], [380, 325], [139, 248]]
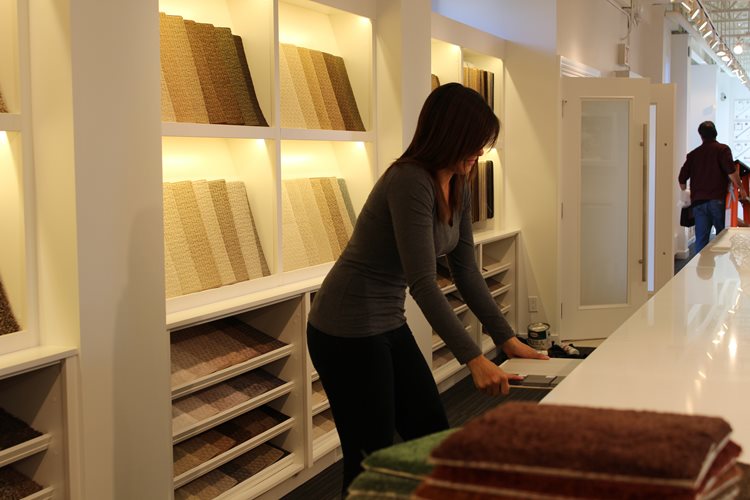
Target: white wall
[[702, 101], [530, 22]]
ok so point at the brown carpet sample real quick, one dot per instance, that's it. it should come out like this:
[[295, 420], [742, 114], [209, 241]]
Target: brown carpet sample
[[623, 445], [434, 81], [210, 97], [232, 64], [323, 424], [219, 74], [3, 107], [327, 217], [180, 72], [247, 465], [328, 183], [305, 57], [207, 486], [294, 254], [14, 431], [251, 424], [344, 93], [15, 486], [326, 90], [223, 209], [250, 336], [347, 201], [257, 112], [8, 323], [247, 232], [213, 231], [167, 110], [297, 74]]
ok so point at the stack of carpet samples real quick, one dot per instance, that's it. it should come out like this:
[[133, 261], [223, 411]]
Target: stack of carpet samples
[[522, 450]]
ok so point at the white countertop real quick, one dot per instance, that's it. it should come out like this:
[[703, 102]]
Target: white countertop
[[687, 350]]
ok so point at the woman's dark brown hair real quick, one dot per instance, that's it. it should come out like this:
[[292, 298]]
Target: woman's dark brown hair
[[455, 123]]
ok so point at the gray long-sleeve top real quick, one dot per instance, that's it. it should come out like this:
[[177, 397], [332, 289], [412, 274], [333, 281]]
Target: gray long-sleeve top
[[394, 245]]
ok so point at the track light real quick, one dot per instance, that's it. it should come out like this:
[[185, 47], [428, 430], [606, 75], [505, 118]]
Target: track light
[[725, 58], [695, 13], [708, 33], [738, 48], [703, 25], [721, 53], [713, 45]]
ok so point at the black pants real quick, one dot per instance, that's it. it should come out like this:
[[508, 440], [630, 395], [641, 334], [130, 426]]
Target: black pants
[[376, 385]]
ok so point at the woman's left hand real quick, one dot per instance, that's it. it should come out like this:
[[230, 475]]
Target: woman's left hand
[[514, 348]]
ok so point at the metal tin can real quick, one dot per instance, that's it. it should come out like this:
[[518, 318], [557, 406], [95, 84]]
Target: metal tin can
[[538, 336]]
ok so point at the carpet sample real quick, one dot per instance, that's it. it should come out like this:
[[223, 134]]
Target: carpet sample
[[343, 90], [210, 97], [434, 81], [223, 209], [180, 72], [171, 279], [252, 251], [408, 459], [252, 424], [291, 110], [313, 86], [232, 64], [15, 486], [302, 216], [3, 107], [14, 431], [8, 322], [293, 247], [304, 96], [213, 232], [326, 216], [167, 110], [257, 113], [207, 486], [370, 484], [347, 201], [326, 91], [195, 232], [222, 81], [178, 245], [247, 465], [323, 424]]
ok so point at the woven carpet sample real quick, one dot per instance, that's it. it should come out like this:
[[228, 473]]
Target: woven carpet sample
[[223, 209], [434, 81], [8, 323], [228, 51], [15, 486], [313, 85], [3, 107], [247, 465], [180, 72], [177, 244], [252, 251], [297, 74], [219, 74], [167, 110], [209, 485], [291, 110], [210, 97], [14, 431], [213, 232], [343, 90], [323, 424], [326, 91]]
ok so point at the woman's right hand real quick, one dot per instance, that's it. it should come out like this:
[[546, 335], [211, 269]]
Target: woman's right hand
[[490, 378]]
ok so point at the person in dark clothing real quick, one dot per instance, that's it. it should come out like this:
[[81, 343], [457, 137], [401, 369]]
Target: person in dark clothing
[[709, 168], [376, 378]]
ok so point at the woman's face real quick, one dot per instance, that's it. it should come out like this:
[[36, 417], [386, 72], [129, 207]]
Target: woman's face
[[464, 167]]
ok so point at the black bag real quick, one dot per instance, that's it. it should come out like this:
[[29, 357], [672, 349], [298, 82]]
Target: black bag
[[686, 217]]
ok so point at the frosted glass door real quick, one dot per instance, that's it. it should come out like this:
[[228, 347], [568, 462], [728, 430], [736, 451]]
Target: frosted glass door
[[604, 201]]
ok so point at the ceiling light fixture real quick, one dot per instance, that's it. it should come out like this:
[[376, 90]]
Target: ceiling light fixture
[[703, 25], [738, 48], [713, 45], [695, 13], [708, 33], [725, 58]]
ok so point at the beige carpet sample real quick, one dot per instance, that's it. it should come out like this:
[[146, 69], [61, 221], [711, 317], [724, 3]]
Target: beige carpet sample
[[180, 72], [213, 231], [293, 246], [326, 90], [195, 232], [347, 201], [223, 210], [257, 113], [291, 110], [210, 97], [177, 244], [219, 74], [167, 110], [330, 187], [305, 56], [302, 215], [315, 219], [297, 74], [3, 107], [344, 93], [327, 216], [252, 250]]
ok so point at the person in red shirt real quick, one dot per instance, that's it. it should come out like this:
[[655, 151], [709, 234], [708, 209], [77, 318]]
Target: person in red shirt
[[709, 168]]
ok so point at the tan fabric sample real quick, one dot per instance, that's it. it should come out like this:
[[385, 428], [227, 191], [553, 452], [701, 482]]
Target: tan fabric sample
[[314, 218], [252, 462], [258, 118], [302, 217], [171, 278], [252, 251], [434, 81], [344, 93], [205, 349], [291, 111], [304, 96], [195, 231], [199, 448], [325, 214], [213, 231], [327, 184], [252, 424], [178, 245], [3, 107], [180, 72], [167, 110], [8, 323], [313, 85], [234, 70], [341, 203], [210, 97], [221, 80], [293, 247], [182, 461], [323, 424], [347, 201], [326, 90], [223, 209]]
